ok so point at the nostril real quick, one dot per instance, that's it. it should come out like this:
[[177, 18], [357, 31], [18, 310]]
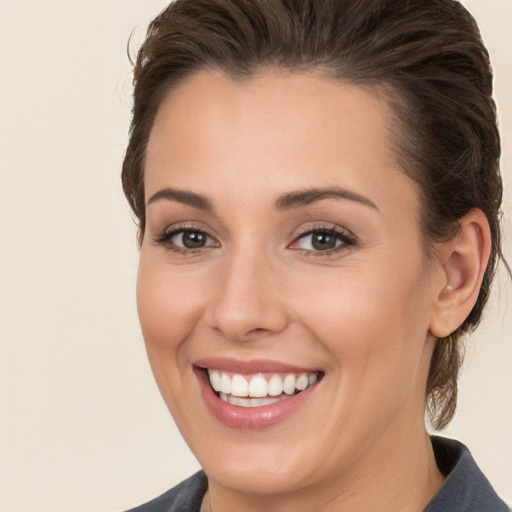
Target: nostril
[[245, 319]]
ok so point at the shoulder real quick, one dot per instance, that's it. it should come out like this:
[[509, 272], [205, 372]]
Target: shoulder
[[466, 489], [185, 497]]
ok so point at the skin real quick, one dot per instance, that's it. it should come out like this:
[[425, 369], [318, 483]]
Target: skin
[[367, 313]]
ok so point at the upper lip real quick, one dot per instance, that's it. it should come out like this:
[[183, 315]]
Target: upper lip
[[250, 366]]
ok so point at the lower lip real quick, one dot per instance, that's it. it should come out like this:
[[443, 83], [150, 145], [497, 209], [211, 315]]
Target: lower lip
[[250, 418]]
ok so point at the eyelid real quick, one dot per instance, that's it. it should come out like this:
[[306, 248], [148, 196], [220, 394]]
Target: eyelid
[[164, 237], [347, 238]]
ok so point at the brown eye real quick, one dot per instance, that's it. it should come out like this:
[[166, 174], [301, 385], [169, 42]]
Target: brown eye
[[193, 239], [190, 239], [183, 240], [323, 241]]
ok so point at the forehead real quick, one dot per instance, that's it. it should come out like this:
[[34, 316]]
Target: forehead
[[273, 132]]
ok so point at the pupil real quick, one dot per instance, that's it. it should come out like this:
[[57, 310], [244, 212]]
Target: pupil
[[323, 242], [193, 239]]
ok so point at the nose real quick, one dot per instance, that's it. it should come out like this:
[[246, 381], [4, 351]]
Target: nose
[[248, 302]]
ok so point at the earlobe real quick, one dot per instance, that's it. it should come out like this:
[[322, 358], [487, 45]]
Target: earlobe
[[464, 260]]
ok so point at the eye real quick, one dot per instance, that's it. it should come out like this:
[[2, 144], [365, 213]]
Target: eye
[[185, 239], [190, 239], [323, 240]]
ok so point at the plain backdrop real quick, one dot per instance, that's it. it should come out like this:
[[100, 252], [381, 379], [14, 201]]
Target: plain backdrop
[[82, 426]]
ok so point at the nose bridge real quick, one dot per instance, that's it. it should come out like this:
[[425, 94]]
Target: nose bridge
[[247, 302]]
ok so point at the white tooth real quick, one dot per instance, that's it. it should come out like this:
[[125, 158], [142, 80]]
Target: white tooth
[[225, 384], [275, 386], [289, 384], [302, 382], [239, 386], [250, 402], [258, 387], [312, 379], [215, 380], [268, 401], [234, 400]]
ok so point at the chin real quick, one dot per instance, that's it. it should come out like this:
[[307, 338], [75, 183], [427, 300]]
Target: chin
[[256, 476]]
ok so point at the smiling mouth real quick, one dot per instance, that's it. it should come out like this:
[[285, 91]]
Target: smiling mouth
[[260, 389]]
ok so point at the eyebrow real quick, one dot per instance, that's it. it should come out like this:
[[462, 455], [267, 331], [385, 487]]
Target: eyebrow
[[313, 195], [183, 196], [286, 201]]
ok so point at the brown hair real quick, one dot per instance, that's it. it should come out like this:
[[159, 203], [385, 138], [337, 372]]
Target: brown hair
[[427, 57]]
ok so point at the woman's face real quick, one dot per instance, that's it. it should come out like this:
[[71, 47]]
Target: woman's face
[[282, 253]]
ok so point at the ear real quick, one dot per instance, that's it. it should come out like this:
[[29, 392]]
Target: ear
[[463, 261]]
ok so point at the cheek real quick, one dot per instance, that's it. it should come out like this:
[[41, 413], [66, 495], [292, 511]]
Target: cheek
[[369, 314], [375, 335], [168, 311], [167, 305]]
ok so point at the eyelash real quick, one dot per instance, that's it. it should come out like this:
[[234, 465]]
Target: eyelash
[[165, 239], [347, 240]]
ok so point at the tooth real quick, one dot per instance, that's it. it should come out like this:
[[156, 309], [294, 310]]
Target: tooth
[[234, 400], [215, 380], [275, 386], [251, 402], [239, 386], [234, 389], [302, 382], [268, 401], [289, 384], [225, 384], [258, 387]]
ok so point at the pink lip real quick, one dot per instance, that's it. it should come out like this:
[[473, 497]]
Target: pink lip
[[250, 418], [248, 367]]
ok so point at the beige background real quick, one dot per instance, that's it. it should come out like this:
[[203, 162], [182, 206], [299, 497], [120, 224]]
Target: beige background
[[82, 427]]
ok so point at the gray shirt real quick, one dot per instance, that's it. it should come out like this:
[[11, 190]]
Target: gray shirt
[[465, 489]]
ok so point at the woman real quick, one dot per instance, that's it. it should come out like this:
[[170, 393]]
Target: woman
[[318, 196]]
